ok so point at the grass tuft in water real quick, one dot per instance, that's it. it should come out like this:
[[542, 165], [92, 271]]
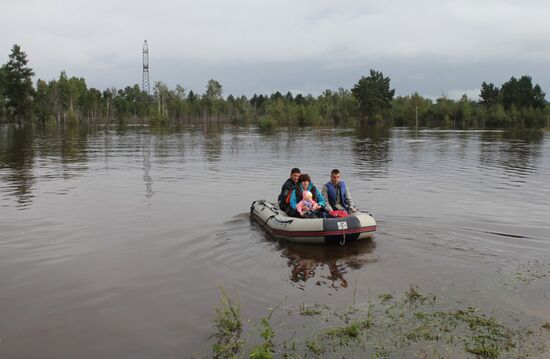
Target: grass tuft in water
[[228, 324], [311, 310], [385, 297], [266, 349]]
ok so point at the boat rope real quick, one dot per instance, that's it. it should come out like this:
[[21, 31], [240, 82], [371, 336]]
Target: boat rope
[[267, 220]]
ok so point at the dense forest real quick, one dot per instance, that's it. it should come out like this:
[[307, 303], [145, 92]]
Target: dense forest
[[516, 103]]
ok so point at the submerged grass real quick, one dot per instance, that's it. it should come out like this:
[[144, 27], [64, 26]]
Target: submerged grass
[[310, 310], [228, 343], [533, 270], [415, 324]]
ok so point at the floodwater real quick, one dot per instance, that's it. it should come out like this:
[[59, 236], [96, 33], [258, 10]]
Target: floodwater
[[114, 242]]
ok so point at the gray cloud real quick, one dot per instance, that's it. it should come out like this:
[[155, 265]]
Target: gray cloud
[[433, 47]]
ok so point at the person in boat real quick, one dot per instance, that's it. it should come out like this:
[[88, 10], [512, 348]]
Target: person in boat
[[307, 206], [286, 190], [337, 194], [304, 184]]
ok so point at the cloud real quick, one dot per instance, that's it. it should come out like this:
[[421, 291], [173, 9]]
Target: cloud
[[472, 94], [434, 46]]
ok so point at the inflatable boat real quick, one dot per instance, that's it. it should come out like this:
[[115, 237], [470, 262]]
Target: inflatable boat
[[359, 225]]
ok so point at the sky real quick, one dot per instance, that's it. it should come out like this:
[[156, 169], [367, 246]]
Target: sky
[[434, 47]]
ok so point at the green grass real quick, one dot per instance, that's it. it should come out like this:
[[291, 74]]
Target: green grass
[[311, 310], [414, 325], [228, 343]]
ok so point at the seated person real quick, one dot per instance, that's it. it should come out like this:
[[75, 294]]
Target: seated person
[[307, 206], [286, 190], [304, 184], [337, 195]]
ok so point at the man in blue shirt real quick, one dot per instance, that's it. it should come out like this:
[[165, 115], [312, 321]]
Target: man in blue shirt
[[337, 195]]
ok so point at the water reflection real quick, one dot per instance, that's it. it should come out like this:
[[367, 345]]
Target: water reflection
[[29, 155], [326, 265], [516, 152], [372, 151], [68, 143], [16, 163], [147, 178], [213, 142]]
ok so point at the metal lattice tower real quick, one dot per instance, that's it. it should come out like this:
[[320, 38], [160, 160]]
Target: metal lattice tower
[[145, 79]]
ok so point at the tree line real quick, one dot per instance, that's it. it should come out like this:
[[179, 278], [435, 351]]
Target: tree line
[[516, 103]]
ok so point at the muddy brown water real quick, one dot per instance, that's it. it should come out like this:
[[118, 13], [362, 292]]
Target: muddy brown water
[[114, 241]]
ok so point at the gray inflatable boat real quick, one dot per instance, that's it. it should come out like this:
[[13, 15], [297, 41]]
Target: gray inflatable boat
[[359, 225]]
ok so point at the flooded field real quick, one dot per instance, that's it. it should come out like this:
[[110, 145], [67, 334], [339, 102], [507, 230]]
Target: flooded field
[[114, 242]]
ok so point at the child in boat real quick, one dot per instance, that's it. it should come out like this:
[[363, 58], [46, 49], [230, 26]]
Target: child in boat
[[307, 206]]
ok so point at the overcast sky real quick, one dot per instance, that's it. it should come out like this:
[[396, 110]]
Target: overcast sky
[[434, 47]]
